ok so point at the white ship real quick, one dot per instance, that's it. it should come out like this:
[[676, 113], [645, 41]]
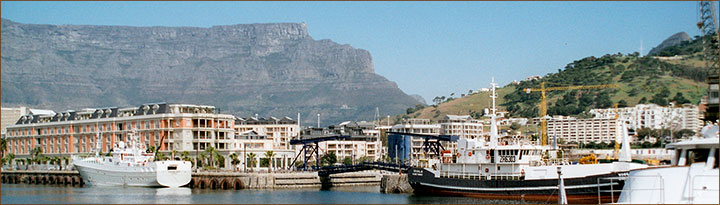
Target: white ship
[[691, 179], [131, 165]]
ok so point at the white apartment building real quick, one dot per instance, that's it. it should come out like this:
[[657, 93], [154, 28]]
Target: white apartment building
[[254, 147], [463, 126], [655, 117], [571, 129], [279, 130], [257, 136]]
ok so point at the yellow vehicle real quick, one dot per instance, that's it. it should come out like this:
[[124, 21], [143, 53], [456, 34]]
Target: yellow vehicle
[[590, 159]]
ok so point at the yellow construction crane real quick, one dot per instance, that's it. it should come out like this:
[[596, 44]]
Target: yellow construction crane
[[543, 104]]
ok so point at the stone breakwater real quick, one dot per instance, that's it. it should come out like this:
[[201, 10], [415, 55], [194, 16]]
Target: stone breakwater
[[214, 180], [395, 183]]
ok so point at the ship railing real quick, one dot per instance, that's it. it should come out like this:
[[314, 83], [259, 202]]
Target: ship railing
[[612, 181], [478, 176], [704, 178]]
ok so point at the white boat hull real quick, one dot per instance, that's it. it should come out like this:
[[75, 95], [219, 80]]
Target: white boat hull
[[173, 173], [153, 174]]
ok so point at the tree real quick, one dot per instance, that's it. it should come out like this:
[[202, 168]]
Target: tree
[[329, 159], [3, 147], [251, 161], [210, 151], [679, 99], [201, 159], [622, 103], [347, 161], [270, 155], [642, 100], [659, 100], [219, 160], [645, 132], [234, 160], [10, 158], [515, 126], [160, 156], [684, 133], [36, 154]]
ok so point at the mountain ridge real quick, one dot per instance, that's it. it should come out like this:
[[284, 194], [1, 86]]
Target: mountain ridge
[[269, 69]]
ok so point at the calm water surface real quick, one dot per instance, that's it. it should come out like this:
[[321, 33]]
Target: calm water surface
[[51, 194]]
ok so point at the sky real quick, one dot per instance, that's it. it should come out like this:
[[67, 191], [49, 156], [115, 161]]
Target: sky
[[427, 48]]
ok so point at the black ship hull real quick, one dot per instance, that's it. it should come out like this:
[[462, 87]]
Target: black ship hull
[[578, 190]]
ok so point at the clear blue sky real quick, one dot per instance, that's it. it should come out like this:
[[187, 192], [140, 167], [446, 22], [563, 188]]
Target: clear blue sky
[[428, 48]]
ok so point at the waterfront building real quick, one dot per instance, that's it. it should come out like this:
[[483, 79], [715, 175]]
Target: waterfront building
[[654, 116], [571, 129], [253, 148], [180, 127], [258, 136]]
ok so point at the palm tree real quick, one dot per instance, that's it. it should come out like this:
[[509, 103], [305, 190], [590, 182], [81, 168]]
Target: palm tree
[[3, 146], [10, 158], [210, 152], [66, 159], [219, 159], [172, 154], [201, 159], [234, 160], [55, 160], [270, 155], [160, 156], [251, 163]]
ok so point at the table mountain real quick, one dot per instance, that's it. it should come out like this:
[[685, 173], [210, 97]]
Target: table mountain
[[273, 69]]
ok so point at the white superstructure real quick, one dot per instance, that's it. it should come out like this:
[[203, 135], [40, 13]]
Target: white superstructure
[[692, 178], [130, 165]]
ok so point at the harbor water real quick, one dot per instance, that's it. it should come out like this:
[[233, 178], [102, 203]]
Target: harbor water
[[50, 194]]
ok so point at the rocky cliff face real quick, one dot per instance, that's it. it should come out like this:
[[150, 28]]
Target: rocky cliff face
[[268, 69]]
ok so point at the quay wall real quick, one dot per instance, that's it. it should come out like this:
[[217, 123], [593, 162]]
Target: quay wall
[[227, 180], [214, 180], [66, 178]]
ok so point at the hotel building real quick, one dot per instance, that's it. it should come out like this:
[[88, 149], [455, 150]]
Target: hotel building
[[180, 127]]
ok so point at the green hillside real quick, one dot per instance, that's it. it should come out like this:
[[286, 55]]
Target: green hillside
[[648, 79]]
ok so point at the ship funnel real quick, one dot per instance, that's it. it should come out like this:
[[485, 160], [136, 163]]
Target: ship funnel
[[625, 149]]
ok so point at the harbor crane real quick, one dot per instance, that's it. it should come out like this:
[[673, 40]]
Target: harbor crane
[[543, 104]]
